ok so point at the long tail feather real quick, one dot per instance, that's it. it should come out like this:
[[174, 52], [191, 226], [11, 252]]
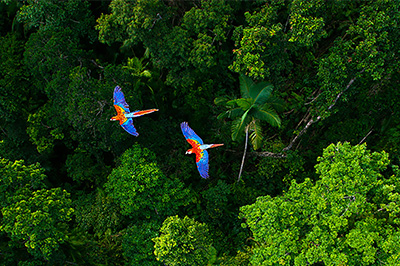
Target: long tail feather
[[140, 113], [216, 145], [207, 146]]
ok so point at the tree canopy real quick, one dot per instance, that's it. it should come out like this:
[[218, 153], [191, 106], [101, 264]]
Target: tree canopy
[[312, 85]]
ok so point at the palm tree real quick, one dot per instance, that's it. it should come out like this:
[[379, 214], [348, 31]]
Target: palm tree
[[255, 105], [138, 67]]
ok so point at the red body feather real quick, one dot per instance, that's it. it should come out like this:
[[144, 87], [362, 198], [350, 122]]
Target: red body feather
[[195, 149], [120, 115]]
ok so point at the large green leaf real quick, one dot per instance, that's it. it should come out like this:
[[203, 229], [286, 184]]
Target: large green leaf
[[267, 114], [232, 113], [239, 125], [231, 103], [256, 136], [245, 104], [245, 84], [276, 103], [261, 93], [221, 100]]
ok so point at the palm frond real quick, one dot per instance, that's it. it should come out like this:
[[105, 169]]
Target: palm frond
[[232, 113], [245, 104], [147, 53], [261, 93], [267, 114], [256, 136], [239, 125], [245, 84], [231, 103], [135, 63], [277, 103], [146, 74], [221, 101]]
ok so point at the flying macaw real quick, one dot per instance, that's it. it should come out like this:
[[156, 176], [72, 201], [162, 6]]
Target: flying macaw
[[198, 148], [124, 115]]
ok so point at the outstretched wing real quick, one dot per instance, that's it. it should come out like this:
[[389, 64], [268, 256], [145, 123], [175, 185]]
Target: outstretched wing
[[190, 136], [129, 127], [202, 163], [119, 99]]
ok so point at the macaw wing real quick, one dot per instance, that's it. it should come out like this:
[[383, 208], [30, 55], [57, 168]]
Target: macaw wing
[[119, 99], [190, 134], [202, 163], [129, 127]]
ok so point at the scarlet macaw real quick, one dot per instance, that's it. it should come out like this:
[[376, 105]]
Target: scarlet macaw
[[198, 148], [124, 115]]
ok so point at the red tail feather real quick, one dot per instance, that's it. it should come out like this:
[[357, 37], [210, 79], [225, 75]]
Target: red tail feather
[[216, 145], [144, 112]]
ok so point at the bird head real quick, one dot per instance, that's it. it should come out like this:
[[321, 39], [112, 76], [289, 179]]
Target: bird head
[[189, 151], [114, 118]]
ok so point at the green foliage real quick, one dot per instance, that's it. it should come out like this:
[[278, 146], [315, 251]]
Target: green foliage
[[185, 40], [334, 62], [261, 51], [286, 169], [8, 10], [256, 104], [138, 245], [307, 24], [136, 67], [140, 188], [36, 220], [219, 211], [32, 214], [217, 200], [14, 87], [97, 212], [16, 178], [145, 75], [139, 15], [183, 242], [47, 53], [242, 258], [43, 136], [358, 56], [83, 167], [87, 107], [343, 218], [53, 15]]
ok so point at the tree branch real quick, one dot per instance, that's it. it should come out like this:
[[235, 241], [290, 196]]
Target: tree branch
[[352, 198], [366, 136], [309, 123], [244, 153], [95, 63]]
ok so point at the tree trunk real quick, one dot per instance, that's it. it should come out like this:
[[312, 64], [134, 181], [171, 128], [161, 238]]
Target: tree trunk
[[244, 153]]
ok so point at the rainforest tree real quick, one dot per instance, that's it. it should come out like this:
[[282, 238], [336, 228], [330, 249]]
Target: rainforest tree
[[33, 216], [183, 242], [346, 217]]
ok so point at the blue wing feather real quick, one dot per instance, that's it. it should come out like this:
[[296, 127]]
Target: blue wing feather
[[119, 99], [190, 134], [202, 165], [129, 127]]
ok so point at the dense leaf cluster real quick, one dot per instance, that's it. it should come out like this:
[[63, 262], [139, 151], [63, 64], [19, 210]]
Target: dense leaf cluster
[[312, 85]]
